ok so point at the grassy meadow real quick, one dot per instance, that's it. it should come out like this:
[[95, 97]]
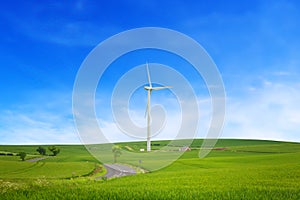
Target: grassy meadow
[[236, 169]]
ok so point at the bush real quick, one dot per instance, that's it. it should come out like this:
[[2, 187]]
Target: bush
[[55, 150], [22, 155], [41, 150]]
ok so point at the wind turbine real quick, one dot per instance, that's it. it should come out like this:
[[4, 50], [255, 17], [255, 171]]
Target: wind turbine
[[149, 90]]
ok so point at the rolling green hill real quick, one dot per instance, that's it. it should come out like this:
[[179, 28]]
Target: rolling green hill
[[236, 169]]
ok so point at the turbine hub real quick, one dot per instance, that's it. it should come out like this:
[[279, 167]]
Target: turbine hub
[[147, 88]]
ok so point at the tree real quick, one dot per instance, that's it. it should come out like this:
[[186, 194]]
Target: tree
[[116, 151], [22, 155], [41, 150], [55, 150]]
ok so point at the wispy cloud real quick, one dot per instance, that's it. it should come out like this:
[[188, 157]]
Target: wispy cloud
[[37, 23], [26, 128], [282, 73], [175, 120], [46, 118], [69, 33], [269, 112]]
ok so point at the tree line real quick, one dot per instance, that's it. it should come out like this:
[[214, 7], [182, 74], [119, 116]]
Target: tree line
[[55, 150], [42, 151]]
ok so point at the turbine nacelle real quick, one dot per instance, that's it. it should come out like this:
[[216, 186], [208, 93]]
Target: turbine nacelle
[[147, 88]]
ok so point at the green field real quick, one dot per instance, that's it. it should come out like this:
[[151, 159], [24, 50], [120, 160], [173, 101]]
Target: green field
[[236, 169]]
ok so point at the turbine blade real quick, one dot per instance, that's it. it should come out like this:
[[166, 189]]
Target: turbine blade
[[161, 88], [148, 104], [148, 73]]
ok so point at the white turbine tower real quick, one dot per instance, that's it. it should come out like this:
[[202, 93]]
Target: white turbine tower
[[149, 89]]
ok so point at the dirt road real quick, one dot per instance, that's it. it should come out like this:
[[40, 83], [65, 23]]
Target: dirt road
[[117, 170]]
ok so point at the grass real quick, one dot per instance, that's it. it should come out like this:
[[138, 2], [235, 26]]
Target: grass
[[246, 169], [73, 161]]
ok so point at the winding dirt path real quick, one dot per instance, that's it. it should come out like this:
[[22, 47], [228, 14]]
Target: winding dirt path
[[36, 159]]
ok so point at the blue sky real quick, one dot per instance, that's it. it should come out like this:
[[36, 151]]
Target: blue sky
[[255, 45]]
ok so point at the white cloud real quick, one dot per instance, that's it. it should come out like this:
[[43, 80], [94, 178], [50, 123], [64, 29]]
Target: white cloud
[[281, 73], [45, 118], [171, 128], [31, 128], [270, 112]]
